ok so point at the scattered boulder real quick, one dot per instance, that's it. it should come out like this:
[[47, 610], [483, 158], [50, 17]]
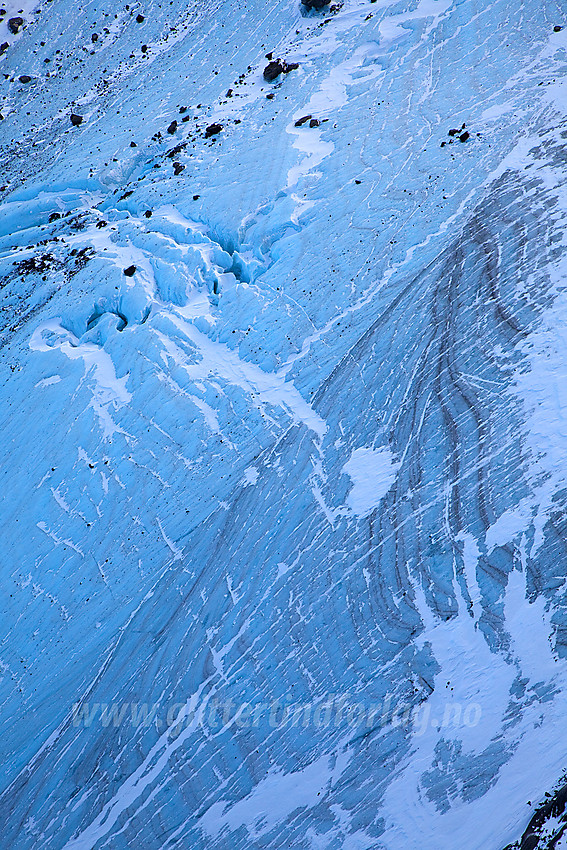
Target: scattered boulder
[[557, 28], [301, 121], [455, 132], [25, 78], [196, 197], [94, 37], [76, 120], [101, 224], [15, 24], [314, 4], [273, 70], [276, 67], [461, 134], [172, 127], [314, 122], [178, 168], [133, 145], [130, 271], [212, 130], [54, 216], [174, 151], [4, 47], [140, 19], [148, 213]]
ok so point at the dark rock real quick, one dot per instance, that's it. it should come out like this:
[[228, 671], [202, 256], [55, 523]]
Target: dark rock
[[186, 118], [196, 197], [182, 109], [101, 224], [140, 19], [94, 37], [148, 213], [314, 4], [172, 127], [277, 67], [15, 24], [270, 96], [273, 70], [453, 132], [269, 56], [530, 842], [4, 47], [358, 182], [76, 119], [54, 216], [174, 151], [25, 78], [178, 168], [212, 130], [229, 93], [133, 145], [464, 137], [314, 122], [557, 28], [130, 271], [301, 121]]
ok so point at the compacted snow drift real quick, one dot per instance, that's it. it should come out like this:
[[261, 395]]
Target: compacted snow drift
[[284, 424]]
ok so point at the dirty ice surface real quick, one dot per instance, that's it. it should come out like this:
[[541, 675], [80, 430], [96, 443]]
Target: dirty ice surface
[[284, 423]]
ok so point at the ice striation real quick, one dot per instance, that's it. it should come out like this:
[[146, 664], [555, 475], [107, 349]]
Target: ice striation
[[284, 529]]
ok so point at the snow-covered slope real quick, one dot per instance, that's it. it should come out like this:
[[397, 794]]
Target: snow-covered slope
[[284, 432]]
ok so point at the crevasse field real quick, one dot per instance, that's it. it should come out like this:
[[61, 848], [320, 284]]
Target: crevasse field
[[284, 508]]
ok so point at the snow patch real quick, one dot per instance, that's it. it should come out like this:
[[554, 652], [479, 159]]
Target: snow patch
[[372, 472]]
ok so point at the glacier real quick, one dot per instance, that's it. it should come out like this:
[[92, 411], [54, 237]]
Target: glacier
[[284, 424]]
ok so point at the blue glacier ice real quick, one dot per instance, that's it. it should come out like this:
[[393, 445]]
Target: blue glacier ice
[[283, 507]]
